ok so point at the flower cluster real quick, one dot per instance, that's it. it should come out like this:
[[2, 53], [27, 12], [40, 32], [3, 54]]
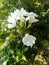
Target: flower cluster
[[21, 15]]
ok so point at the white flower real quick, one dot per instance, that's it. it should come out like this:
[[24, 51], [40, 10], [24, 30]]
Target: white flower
[[17, 12], [23, 12], [18, 18], [27, 18], [32, 14], [13, 15], [21, 15], [10, 26], [29, 40], [31, 19], [11, 20]]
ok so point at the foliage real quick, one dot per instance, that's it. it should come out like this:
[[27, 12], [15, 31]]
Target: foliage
[[12, 50]]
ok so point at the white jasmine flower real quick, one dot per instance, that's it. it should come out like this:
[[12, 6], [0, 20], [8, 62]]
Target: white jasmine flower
[[24, 12], [32, 14], [22, 19], [21, 15], [17, 11], [27, 18], [11, 25], [29, 40], [18, 18], [13, 15], [11, 20], [31, 19]]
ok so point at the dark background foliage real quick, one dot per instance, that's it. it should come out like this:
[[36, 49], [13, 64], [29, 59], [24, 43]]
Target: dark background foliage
[[17, 54]]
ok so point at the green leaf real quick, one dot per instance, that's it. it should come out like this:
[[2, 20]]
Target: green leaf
[[24, 58]]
